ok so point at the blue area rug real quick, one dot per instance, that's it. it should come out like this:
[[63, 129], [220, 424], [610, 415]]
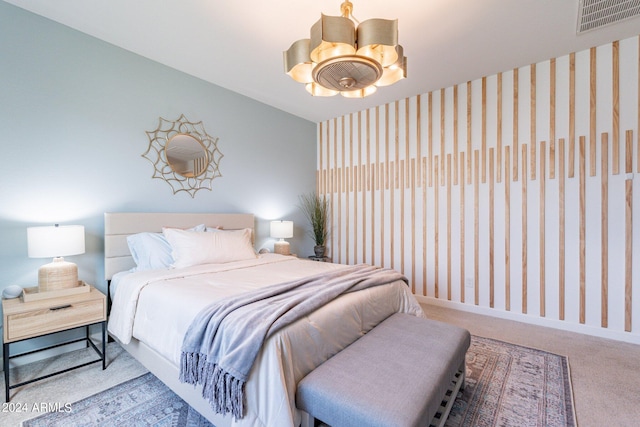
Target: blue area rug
[[506, 385], [142, 401]]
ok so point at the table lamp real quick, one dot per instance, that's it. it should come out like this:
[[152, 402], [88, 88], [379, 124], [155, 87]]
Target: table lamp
[[56, 241], [281, 230]]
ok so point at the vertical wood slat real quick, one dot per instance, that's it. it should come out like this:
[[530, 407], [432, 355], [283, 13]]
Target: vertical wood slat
[[628, 247], [592, 112], [396, 143], [356, 182], [442, 133], [462, 228], [456, 148], [572, 159], [363, 171], [342, 146], [319, 183], [615, 131], [628, 157], [419, 139], [413, 225], [515, 142], [469, 133], [542, 228], [476, 226], [436, 226], [393, 166], [491, 230], [349, 188], [552, 116], [604, 230], [532, 130], [386, 147], [507, 227], [552, 160], [359, 137], [561, 229], [628, 279], [484, 130], [430, 139], [448, 226], [334, 211], [376, 184], [403, 166], [341, 185], [572, 113], [424, 227], [373, 177], [499, 131], [383, 224], [339, 216], [524, 229], [581, 227], [407, 154]]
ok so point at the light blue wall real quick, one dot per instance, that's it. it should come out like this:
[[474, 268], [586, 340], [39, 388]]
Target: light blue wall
[[73, 116]]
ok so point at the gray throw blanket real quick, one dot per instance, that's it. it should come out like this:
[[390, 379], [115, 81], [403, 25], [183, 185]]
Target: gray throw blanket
[[224, 339]]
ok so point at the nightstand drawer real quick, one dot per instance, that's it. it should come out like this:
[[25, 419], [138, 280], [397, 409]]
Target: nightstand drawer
[[52, 319]]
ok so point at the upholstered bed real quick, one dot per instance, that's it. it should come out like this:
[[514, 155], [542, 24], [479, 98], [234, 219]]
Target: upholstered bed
[[153, 306]]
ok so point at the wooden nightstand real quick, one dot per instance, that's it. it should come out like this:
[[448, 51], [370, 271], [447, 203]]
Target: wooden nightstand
[[26, 320]]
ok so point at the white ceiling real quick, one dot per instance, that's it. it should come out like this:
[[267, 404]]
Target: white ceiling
[[238, 44]]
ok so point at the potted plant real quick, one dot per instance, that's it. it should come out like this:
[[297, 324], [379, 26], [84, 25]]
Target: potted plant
[[316, 209]]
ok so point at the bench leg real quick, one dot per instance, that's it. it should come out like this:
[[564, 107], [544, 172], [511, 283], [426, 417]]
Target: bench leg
[[307, 420], [463, 377]]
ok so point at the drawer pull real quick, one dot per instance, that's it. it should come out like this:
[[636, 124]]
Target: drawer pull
[[60, 307]]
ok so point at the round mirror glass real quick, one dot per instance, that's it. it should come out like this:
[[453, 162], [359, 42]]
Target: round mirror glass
[[186, 155]]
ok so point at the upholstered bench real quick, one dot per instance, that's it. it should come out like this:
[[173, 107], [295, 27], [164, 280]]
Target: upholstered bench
[[395, 375]]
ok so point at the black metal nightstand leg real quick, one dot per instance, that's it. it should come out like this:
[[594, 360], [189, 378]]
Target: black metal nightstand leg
[[104, 345], [5, 363]]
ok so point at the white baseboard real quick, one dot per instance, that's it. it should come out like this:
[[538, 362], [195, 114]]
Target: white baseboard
[[533, 320]]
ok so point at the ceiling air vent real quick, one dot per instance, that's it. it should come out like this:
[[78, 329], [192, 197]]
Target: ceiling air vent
[[594, 14]]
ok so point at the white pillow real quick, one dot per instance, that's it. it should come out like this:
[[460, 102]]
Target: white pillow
[[152, 251], [189, 248]]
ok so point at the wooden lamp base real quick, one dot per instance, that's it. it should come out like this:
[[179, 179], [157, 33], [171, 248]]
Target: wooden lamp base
[[281, 247], [58, 274]]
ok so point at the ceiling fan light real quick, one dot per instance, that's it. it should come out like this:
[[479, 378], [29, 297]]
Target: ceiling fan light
[[345, 56], [360, 93], [316, 90], [332, 36], [377, 39], [297, 63]]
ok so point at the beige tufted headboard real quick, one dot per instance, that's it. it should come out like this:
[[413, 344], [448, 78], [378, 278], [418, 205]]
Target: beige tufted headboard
[[119, 225]]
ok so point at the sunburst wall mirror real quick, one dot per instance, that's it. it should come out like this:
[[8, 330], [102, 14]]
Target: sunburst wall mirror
[[184, 155]]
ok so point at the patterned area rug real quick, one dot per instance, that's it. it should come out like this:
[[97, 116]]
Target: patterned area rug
[[511, 385], [506, 385], [142, 401]]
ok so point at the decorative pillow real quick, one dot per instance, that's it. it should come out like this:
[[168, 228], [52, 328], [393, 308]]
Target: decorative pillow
[[152, 251], [209, 248]]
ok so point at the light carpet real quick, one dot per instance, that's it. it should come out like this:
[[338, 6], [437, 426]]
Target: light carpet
[[506, 385]]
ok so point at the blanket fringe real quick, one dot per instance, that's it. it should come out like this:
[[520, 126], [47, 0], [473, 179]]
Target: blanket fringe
[[223, 391]]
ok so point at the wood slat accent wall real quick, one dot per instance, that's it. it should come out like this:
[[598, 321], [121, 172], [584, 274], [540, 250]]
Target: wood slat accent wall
[[497, 193]]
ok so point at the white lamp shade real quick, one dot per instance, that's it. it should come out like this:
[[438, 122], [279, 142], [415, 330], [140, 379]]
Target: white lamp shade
[[282, 229], [55, 241]]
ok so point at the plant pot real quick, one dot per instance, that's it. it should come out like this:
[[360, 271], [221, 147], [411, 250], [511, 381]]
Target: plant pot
[[319, 251]]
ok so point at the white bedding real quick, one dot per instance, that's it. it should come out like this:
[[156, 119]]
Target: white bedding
[[157, 306]]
